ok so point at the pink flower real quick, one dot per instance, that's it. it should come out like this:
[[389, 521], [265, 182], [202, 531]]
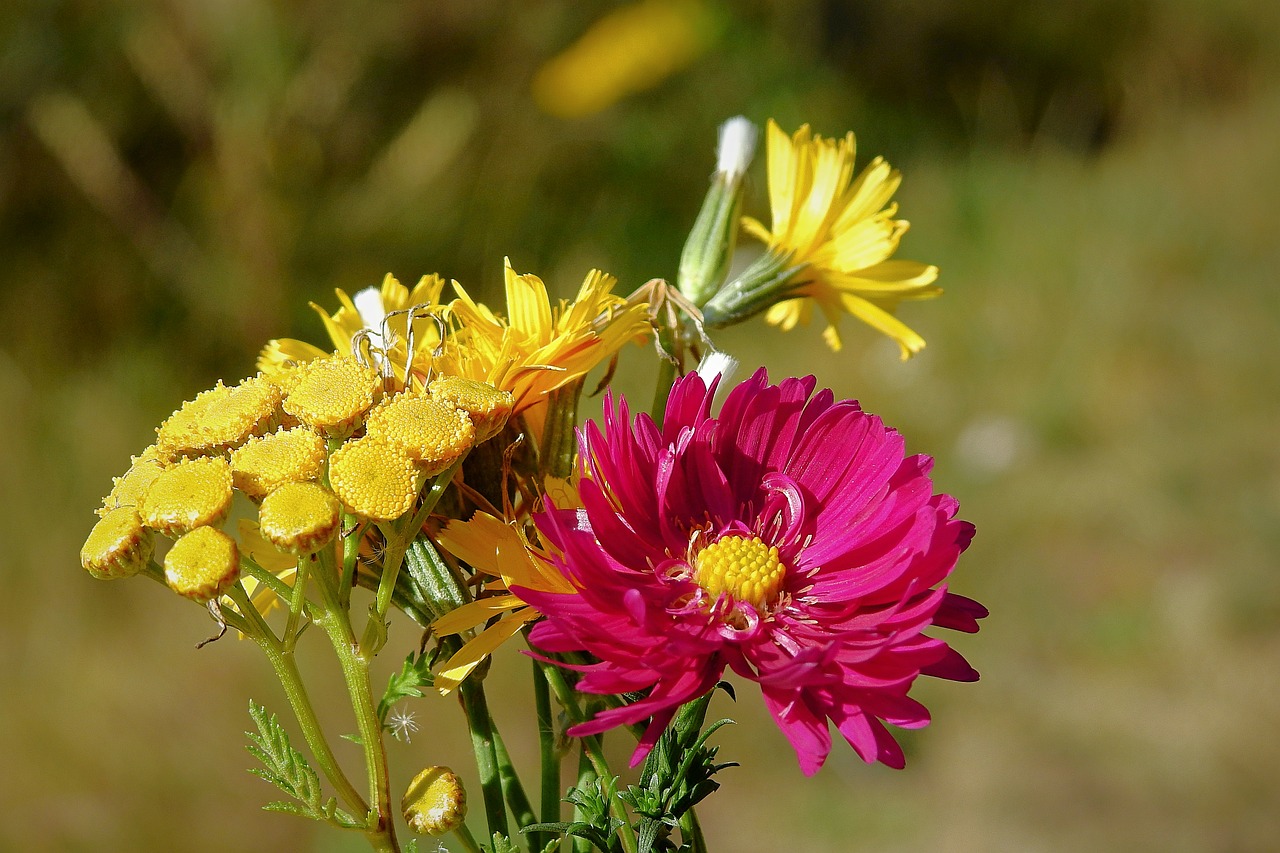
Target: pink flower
[[787, 539]]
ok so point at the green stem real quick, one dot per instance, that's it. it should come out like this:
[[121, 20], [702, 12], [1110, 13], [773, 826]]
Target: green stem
[[482, 744], [350, 555], [593, 746], [512, 788], [291, 680], [297, 603], [586, 774], [549, 792], [467, 840], [666, 378], [691, 829], [355, 672]]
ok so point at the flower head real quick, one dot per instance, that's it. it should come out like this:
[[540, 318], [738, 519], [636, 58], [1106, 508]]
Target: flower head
[[788, 539], [538, 348], [831, 244]]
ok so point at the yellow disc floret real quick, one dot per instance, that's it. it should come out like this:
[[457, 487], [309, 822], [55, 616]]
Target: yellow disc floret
[[487, 406], [118, 546], [190, 494], [744, 568], [331, 395], [436, 802], [300, 518], [284, 456], [375, 479], [202, 564], [433, 432], [220, 419], [129, 489]]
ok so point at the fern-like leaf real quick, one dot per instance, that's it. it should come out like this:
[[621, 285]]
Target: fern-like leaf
[[287, 769]]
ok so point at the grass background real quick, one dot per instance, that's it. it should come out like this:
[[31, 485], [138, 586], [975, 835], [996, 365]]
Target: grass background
[[1098, 184]]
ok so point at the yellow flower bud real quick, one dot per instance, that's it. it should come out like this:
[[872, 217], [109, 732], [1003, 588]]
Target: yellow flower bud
[[431, 432], [203, 564], [193, 493], [487, 406], [300, 518], [118, 546], [435, 803], [375, 479], [285, 456], [220, 419], [332, 395]]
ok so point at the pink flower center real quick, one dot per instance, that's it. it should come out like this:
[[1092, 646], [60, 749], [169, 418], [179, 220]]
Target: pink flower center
[[742, 567]]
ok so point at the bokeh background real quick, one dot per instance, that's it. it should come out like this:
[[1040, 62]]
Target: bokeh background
[[1098, 181]]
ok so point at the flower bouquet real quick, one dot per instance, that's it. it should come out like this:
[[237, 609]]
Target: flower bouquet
[[432, 463]]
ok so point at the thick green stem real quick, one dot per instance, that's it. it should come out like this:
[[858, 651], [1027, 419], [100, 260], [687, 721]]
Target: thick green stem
[[291, 680], [355, 672], [482, 744], [512, 789], [691, 829], [549, 791]]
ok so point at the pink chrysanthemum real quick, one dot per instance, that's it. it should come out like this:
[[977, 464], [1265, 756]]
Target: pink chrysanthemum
[[787, 539]]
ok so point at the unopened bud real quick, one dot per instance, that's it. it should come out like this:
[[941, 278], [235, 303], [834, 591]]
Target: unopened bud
[[435, 803]]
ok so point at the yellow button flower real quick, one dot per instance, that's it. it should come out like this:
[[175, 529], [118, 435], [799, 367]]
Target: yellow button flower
[[190, 494], [432, 432], [375, 479], [202, 565], [487, 406], [332, 395], [220, 419], [129, 489], [300, 518], [118, 546], [284, 456], [435, 803]]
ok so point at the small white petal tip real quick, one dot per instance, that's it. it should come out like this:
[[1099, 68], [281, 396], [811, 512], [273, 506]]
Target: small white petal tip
[[737, 146]]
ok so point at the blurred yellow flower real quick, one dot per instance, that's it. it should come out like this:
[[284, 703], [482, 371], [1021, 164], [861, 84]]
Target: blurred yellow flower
[[629, 50], [842, 231], [537, 348]]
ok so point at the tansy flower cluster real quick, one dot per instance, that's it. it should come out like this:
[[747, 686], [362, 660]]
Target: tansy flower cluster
[[304, 445]]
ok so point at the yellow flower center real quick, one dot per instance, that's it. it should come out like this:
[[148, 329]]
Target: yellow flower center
[[299, 517], [432, 432], [190, 494], [744, 568], [332, 395], [202, 564], [129, 489], [487, 406], [284, 456], [375, 479], [220, 419]]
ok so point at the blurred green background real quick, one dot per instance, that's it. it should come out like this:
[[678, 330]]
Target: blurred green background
[[1097, 180]]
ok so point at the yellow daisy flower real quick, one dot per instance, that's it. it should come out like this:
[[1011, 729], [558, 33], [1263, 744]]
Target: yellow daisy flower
[[830, 245], [538, 348]]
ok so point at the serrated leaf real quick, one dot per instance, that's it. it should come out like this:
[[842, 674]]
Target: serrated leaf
[[288, 770], [501, 844]]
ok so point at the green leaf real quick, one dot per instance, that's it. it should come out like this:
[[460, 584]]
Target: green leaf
[[408, 683], [501, 844], [288, 770]]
